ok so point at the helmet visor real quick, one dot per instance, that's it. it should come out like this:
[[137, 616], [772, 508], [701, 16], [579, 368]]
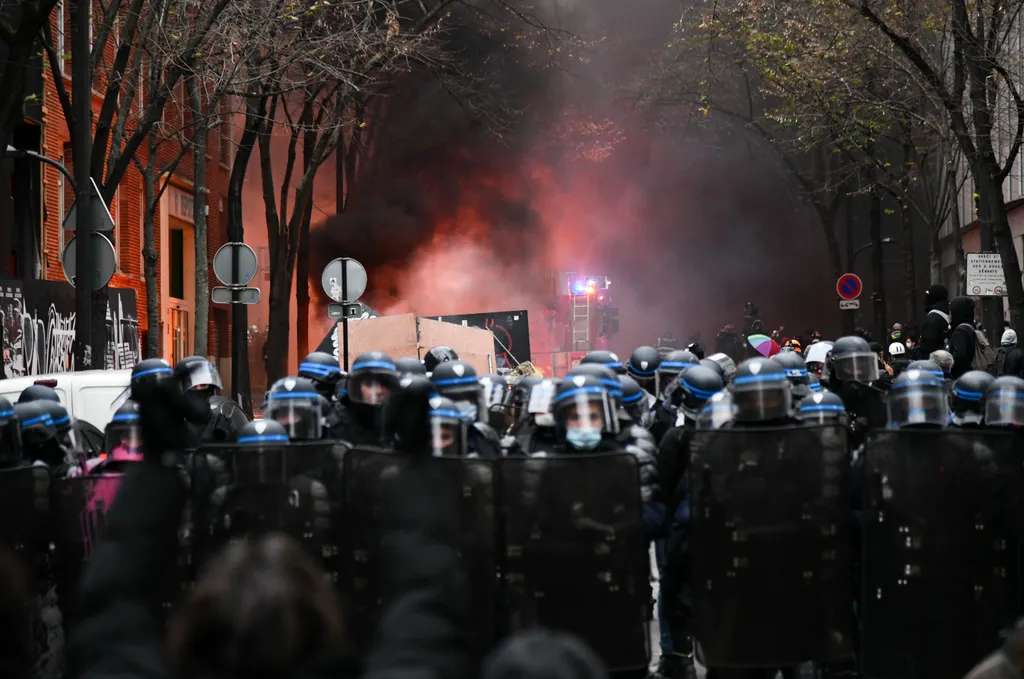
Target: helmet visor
[[300, 416], [822, 413], [1004, 408], [860, 367], [123, 441], [447, 434], [718, 411], [202, 375], [586, 409], [369, 389], [918, 404], [761, 398]]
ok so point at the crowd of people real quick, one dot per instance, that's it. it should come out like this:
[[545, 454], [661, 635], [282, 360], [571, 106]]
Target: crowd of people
[[707, 437]]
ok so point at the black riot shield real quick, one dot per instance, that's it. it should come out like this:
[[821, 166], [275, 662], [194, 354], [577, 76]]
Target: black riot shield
[[575, 556], [940, 540], [368, 471], [242, 491], [771, 551]]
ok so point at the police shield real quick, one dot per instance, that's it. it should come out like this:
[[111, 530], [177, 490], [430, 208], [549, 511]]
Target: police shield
[[575, 554], [940, 541], [772, 568], [244, 491], [80, 507], [367, 475]]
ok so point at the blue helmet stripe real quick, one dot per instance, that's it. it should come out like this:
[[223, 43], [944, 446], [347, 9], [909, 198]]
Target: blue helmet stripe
[[62, 420], [969, 395], [673, 364], [815, 386], [281, 395], [319, 368], [751, 379], [446, 412], [152, 371], [126, 417], [452, 381], [699, 393], [383, 365], [815, 408], [637, 371], [266, 438], [633, 398], [796, 372], [580, 390], [45, 419], [7, 413]]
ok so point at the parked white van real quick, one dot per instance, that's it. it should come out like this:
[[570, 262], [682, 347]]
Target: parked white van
[[87, 394]]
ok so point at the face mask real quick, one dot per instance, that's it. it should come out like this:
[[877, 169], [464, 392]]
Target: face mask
[[583, 439], [468, 411]]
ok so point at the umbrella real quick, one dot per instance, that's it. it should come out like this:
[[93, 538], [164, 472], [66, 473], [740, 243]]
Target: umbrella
[[764, 345]]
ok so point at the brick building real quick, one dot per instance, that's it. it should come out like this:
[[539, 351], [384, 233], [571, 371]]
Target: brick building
[[41, 198]]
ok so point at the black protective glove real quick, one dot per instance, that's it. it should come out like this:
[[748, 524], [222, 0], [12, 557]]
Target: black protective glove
[[407, 415], [165, 411]]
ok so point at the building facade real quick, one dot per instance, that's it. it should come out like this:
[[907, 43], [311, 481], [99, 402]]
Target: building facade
[[41, 198]]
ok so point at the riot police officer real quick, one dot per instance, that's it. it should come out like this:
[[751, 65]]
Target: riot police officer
[[39, 437], [200, 380], [497, 402], [643, 367], [1004, 402], [122, 440], [38, 392], [294, 403], [448, 429], [635, 402], [458, 381], [822, 407], [535, 429], [674, 363], [917, 400], [605, 358], [371, 379], [762, 394], [718, 412], [437, 356], [145, 374], [10, 436], [851, 371], [410, 366], [967, 399], [521, 388], [324, 372], [796, 372]]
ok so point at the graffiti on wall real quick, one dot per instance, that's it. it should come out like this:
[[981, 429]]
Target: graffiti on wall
[[37, 322]]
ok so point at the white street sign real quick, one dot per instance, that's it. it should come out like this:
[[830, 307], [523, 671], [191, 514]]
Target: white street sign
[[849, 304], [985, 275]]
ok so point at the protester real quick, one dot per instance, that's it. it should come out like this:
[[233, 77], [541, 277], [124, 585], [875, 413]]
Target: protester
[[962, 340], [936, 321], [1010, 358], [947, 363]]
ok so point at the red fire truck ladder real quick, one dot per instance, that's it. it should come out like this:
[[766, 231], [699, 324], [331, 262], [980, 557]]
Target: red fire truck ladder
[[581, 322]]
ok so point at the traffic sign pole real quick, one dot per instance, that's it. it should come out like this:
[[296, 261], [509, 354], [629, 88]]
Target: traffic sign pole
[[344, 319]]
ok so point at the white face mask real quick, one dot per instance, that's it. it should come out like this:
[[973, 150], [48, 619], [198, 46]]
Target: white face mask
[[468, 411], [583, 438]]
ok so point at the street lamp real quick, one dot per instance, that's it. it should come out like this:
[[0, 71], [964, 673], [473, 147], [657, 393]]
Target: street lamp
[[853, 259], [24, 153]]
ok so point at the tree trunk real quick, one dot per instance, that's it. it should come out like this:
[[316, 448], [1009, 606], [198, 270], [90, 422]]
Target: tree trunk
[[202, 261], [991, 192], [150, 258], [280, 308], [302, 257], [877, 265]]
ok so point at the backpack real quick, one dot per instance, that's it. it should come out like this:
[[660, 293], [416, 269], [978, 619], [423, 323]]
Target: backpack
[[997, 369], [984, 354]]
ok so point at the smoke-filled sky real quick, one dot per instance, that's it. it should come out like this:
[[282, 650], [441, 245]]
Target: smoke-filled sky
[[451, 217]]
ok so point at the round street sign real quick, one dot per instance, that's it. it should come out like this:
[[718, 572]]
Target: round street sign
[[355, 281], [849, 286], [105, 260], [247, 263]]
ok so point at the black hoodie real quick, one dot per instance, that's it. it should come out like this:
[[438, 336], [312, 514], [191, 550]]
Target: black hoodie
[[961, 338], [936, 321]]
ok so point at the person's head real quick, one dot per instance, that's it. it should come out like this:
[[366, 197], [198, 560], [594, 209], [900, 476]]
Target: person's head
[[260, 609], [540, 654], [943, 359], [1009, 338], [936, 294]]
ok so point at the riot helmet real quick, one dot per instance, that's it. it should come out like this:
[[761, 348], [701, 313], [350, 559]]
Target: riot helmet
[[38, 392], [761, 392], [458, 381], [38, 435], [605, 358], [449, 430], [726, 363], [695, 386], [263, 432], [1004, 402], [927, 366], [294, 403], [521, 395], [10, 434], [674, 363], [813, 383], [410, 366], [823, 407], [371, 379], [497, 402], [967, 398], [437, 356], [123, 434], [198, 373], [851, 360], [917, 399], [540, 403], [608, 378], [713, 365], [145, 373], [323, 370], [643, 368], [796, 373], [718, 411], [634, 402], [584, 412], [63, 425]]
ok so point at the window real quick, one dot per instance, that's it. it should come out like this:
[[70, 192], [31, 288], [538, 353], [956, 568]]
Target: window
[[67, 198], [59, 35], [227, 145], [176, 285]]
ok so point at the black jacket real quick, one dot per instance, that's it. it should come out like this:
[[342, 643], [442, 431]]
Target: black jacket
[[1013, 364], [962, 340], [934, 330], [118, 633]]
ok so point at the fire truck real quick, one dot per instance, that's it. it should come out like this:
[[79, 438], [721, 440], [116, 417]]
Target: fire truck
[[585, 304]]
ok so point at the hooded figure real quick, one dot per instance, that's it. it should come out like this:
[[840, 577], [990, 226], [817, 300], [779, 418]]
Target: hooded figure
[[1007, 343], [936, 321], [961, 337]]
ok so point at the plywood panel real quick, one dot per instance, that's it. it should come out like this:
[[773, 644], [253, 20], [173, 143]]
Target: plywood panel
[[473, 345], [394, 335]]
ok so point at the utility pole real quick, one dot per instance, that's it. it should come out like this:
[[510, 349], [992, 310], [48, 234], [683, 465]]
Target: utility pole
[[81, 105]]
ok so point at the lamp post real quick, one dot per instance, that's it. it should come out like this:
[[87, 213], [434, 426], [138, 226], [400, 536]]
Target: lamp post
[[24, 153], [862, 248]]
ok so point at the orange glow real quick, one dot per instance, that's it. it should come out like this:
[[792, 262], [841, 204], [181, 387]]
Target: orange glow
[[591, 290]]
